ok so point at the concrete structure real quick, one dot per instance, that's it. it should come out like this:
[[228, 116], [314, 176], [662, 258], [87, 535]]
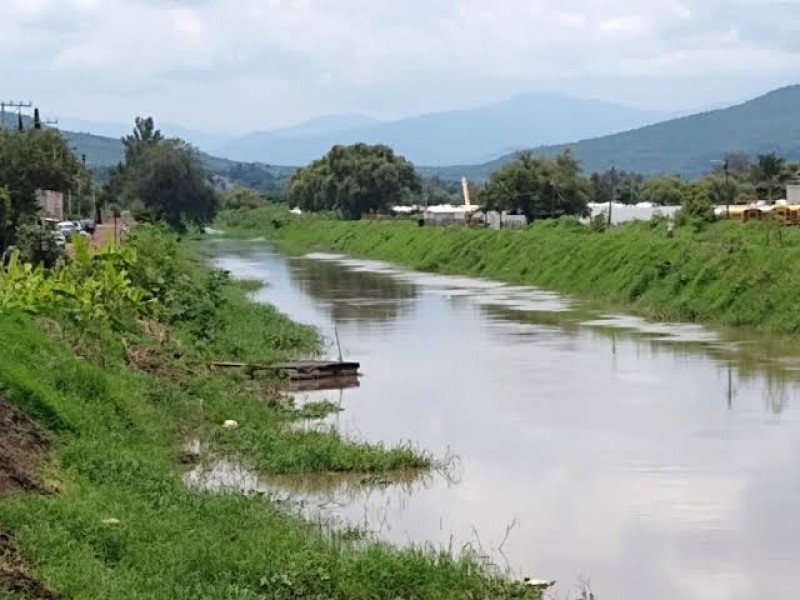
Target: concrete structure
[[622, 213], [51, 204], [793, 194]]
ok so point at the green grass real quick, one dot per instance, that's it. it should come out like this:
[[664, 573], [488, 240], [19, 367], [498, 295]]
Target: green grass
[[728, 274], [118, 436]]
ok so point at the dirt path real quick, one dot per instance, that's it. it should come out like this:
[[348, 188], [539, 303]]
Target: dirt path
[[23, 447]]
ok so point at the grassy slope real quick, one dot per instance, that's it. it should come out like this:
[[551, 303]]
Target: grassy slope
[[118, 434], [729, 274]]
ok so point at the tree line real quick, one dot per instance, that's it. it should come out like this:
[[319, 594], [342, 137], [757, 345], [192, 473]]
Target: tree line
[[160, 179], [359, 179]]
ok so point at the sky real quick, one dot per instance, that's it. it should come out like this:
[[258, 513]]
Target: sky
[[240, 65]]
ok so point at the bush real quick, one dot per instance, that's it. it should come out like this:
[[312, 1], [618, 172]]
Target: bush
[[38, 246]]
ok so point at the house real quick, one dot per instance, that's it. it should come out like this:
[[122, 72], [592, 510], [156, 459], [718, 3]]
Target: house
[[51, 204]]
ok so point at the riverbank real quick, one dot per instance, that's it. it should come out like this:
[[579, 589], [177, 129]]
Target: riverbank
[[106, 409], [727, 274]]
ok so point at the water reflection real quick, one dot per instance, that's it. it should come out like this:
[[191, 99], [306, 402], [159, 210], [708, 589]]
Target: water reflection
[[661, 460], [353, 295]]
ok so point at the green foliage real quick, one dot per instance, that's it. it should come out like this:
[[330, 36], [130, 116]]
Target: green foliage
[[770, 175], [259, 177], [354, 180], [144, 136], [244, 198], [5, 209], [93, 289], [116, 459], [171, 182], [664, 191], [164, 176], [33, 160], [38, 246], [538, 188], [119, 431]]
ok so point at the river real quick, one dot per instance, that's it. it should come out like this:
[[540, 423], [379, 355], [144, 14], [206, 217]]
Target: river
[[657, 461]]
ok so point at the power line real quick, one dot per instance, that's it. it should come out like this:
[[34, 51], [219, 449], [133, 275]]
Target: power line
[[11, 104]]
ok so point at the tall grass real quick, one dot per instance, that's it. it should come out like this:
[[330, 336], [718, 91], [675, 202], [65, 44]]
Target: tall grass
[[728, 274]]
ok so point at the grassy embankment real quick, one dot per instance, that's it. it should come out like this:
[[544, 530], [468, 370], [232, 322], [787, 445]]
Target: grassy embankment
[[728, 274], [119, 401]]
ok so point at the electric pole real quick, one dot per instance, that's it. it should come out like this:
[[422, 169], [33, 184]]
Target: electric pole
[[11, 104]]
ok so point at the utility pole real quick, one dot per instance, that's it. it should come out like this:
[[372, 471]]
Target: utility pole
[[11, 104], [611, 203], [727, 167]]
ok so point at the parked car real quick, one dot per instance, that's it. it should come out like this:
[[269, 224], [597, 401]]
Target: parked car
[[89, 226], [61, 241], [66, 228]]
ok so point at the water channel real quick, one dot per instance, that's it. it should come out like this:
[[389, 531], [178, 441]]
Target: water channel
[[656, 460]]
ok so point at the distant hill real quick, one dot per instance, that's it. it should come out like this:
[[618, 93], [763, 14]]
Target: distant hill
[[684, 146], [326, 124], [104, 152], [467, 136]]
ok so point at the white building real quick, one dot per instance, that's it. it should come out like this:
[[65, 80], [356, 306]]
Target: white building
[[793, 194]]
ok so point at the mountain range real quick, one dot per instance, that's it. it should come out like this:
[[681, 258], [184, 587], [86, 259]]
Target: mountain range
[[449, 137], [684, 146]]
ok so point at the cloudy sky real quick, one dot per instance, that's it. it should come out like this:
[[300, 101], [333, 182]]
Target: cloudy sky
[[253, 64]]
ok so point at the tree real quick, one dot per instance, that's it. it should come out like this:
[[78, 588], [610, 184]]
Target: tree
[[770, 174], [354, 180], [664, 191], [144, 135], [629, 190], [538, 187], [33, 160], [161, 177], [737, 164], [697, 205], [171, 182]]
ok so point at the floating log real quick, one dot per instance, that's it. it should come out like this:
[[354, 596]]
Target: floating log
[[324, 384], [303, 370]]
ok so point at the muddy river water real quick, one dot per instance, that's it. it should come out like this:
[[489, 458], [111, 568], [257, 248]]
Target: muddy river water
[[655, 460]]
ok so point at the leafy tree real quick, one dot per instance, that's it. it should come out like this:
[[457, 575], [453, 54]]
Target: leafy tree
[[163, 178], [144, 135], [664, 191], [698, 205], [171, 182], [34, 160], [604, 186], [538, 187], [736, 165], [37, 246], [244, 198], [618, 186], [354, 180], [770, 174], [436, 190], [630, 188]]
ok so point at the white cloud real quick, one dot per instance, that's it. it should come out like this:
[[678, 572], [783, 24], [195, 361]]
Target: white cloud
[[360, 54]]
